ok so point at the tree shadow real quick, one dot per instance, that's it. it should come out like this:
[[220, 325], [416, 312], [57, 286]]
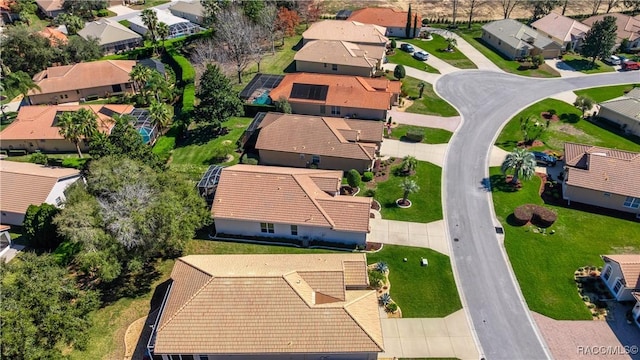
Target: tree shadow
[[581, 64], [291, 68], [510, 144], [569, 118], [155, 304], [202, 134], [130, 285], [498, 183]]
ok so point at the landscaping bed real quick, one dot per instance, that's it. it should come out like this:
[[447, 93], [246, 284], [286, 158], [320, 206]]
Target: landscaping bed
[[428, 135]]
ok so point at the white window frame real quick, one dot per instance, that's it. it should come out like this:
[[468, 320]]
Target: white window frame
[[618, 284], [315, 159], [334, 67], [267, 228], [294, 230], [606, 274], [335, 110], [632, 202]]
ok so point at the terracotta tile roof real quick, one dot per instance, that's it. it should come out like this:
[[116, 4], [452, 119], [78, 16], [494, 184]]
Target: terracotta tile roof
[[351, 31], [5, 5], [50, 5], [602, 169], [343, 90], [261, 304], [36, 122], [24, 184], [83, 76], [561, 27], [630, 266], [288, 196], [316, 135], [341, 53], [55, 36], [386, 17], [628, 27], [4, 227]]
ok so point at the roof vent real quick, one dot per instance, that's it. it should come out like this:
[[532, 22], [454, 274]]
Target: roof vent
[[599, 154]]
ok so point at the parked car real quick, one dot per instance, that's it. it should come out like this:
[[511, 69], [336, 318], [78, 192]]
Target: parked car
[[421, 55], [630, 65], [613, 60], [544, 159], [407, 47]]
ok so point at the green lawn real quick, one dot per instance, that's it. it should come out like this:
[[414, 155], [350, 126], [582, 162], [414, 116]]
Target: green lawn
[[570, 128], [473, 37], [583, 64], [202, 148], [68, 159], [605, 93], [431, 135], [419, 291], [404, 58], [149, 3], [436, 48], [430, 104], [427, 204], [544, 264]]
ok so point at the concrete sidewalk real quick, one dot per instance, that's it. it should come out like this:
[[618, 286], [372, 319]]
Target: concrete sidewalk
[[433, 153], [439, 122], [431, 235], [442, 66], [415, 73], [481, 61], [448, 337]]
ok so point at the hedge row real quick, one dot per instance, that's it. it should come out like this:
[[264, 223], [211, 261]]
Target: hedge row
[[536, 214]]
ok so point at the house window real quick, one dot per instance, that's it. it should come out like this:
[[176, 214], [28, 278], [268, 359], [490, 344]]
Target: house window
[[334, 67], [632, 202], [267, 228], [58, 201], [617, 286], [323, 109], [607, 194], [325, 64], [78, 92], [335, 110], [294, 230], [204, 357], [315, 159], [43, 140], [607, 273]]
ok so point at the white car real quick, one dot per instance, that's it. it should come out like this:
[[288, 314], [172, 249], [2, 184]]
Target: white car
[[613, 60], [421, 55]]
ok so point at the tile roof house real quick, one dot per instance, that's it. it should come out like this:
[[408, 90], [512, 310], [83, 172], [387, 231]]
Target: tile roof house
[[51, 8], [177, 25], [111, 35], [24, 184], [55, 36], [70, 83], [339, 57], [280, 202], [621, 274], [623, 111], [190, 10], [563, 30], [7, 15], [351, 31], [5, 239], [338, 95], [303, 306], [393, 20], [628, 28], [603, 177], [326, 142], [514, 40], [35, 128]]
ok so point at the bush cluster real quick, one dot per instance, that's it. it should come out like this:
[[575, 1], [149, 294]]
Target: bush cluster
[[415, 135], [367, 176], [537, 214]]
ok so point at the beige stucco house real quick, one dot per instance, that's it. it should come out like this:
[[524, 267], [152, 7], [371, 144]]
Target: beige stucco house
[[112, 36], [289, 203], [393, 20], [602, 177], [24, 184], [621, 274], [623, 111], [322, 142], [267, 307], [71, 83], [351, 31], [514, 39], [190, 10], [338, 95], [567, 32], [339, 57]]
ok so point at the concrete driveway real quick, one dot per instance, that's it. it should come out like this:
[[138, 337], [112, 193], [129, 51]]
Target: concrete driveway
[[433, 153], [472, 53], [450, 123], [431, 235]]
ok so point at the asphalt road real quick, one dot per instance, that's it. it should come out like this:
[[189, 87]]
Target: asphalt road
[[486, 100]]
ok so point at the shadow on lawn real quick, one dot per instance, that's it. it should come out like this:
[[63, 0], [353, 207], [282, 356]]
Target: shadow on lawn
[[498, 183], [569, 118], [510, 144], [202, 134], [581, 64], [156, 302], [130, 286]]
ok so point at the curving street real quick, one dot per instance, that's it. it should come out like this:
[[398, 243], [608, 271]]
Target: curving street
[[486, 100]]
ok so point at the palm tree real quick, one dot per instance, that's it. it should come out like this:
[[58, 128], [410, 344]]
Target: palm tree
[[76, 126], [150, 20], [21, 82], [158, 85], [409, 164], [583, 103], [451, 43], [163, 32], [522, 162], [409, 186], [140, 75], [160, 114]]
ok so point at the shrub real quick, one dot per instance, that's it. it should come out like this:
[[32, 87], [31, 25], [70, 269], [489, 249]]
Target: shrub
[[353, 178], [39, 158], [539, 215], [392, 307], [393, 43], [415, 135], [39, 229], [283, 106], [382, 267], [250, 161], [367, 176], [399, 72], [385, 299], [370, 193], [102, 13], [376, 279]]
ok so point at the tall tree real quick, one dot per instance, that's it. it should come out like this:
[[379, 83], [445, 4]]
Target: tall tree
[[140, 75], [454, 12], [415, 25], [407, 29], [235, 35], [24, 50], [79, 50], [473, 6], [611, 4], [508, 6], [583, 103], [451, 43], [218, 100], [595, 6], [43, 307], [408, 186], [20, 82], [252, 9], [76, 126], [632, 5], [39, 229], [72, 22], [540, 8], [564, 6], [600, 39], [268, 19], [150, 20], [211, 9], [288, 20], [83, 8], [521, 162], [163, 32], [160, 115]]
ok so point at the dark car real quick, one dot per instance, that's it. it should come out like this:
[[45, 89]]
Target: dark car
[[421, 55], [407, 47], [544, 159]]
